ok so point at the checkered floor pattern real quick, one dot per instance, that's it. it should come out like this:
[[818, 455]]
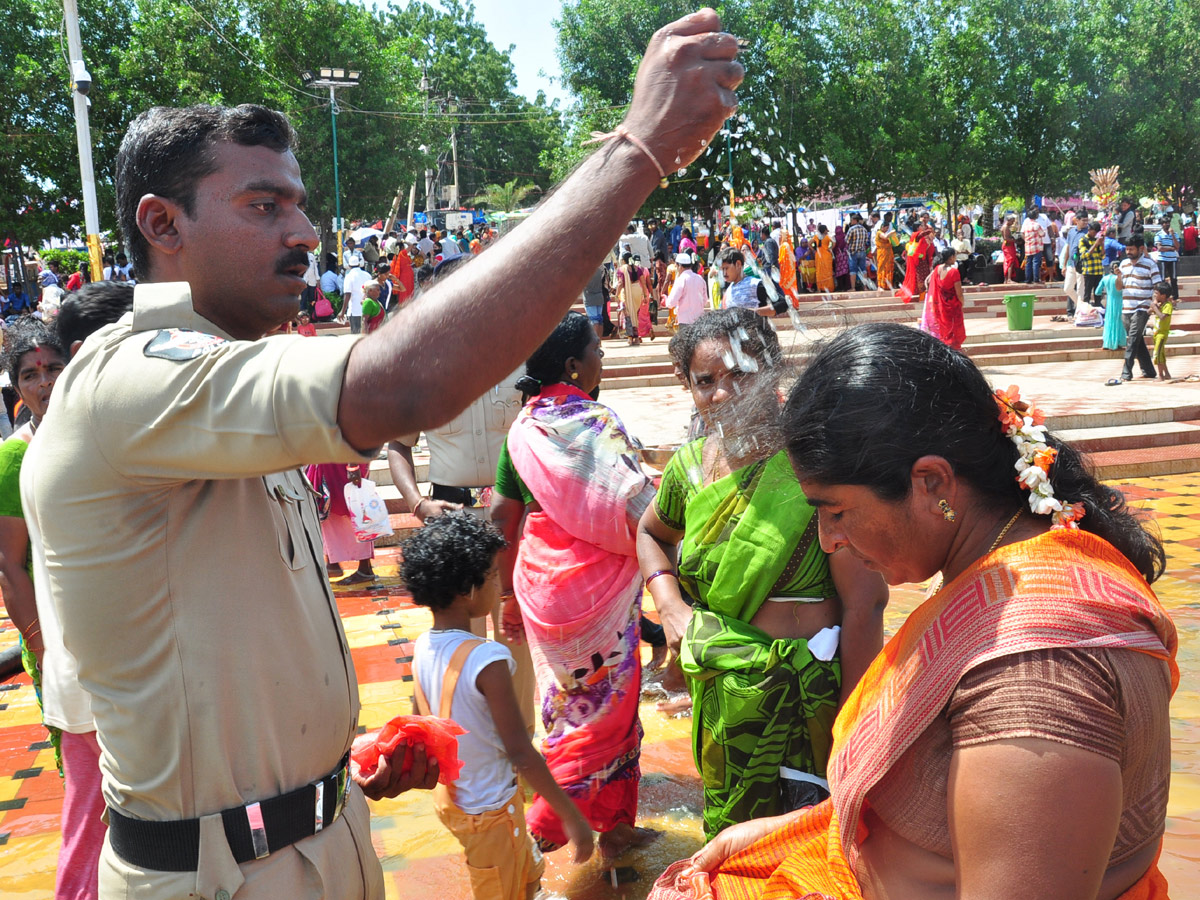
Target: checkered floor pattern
[[418, 854]]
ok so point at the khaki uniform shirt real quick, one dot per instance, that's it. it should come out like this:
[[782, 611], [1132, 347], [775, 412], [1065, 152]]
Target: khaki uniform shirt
[[464, 451], [184, 556]]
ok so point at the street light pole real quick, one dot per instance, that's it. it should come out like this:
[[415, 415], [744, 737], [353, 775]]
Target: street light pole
[[337, 191], [81, 83], [333, 79]]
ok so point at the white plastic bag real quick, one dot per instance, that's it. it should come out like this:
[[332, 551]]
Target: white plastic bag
[[368, 512]]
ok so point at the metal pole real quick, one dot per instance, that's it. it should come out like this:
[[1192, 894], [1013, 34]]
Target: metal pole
[[83, 139], [337, 193], [729, 149], [454, 155]]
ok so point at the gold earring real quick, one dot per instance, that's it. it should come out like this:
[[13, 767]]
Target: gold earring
[[574, 376], [948, 512]]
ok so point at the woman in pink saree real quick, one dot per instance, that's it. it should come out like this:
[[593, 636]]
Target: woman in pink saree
[[576, 581]]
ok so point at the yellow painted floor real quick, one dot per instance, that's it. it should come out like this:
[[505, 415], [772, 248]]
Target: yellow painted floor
[[419, 855]]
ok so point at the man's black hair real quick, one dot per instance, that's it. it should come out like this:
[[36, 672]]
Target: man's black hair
[[732, 256], [449, 557], [93, 306], [167, 151]]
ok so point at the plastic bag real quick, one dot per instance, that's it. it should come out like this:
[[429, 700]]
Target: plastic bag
[[440, 737], [368, 512]]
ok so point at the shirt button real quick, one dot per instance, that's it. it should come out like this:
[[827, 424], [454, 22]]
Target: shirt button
[[222, 895], [516, 833], [511, 809], [478, 431]]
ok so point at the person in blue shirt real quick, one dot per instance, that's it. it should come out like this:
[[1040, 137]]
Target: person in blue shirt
[[1166, 242], [1114, 250], [677, 234], [740, 290], [17, 301]]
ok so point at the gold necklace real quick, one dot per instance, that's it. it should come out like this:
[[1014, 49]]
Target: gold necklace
[[939, 580], [1004, 530]]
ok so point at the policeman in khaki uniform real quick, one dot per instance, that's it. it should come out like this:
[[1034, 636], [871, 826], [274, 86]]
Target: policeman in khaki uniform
[[219, 674], [181, 543]]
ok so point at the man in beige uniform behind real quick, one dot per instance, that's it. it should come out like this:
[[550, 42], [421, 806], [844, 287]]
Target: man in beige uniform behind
[[182, 548]]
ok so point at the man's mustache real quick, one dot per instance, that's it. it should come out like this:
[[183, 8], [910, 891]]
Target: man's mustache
[[291, 259]]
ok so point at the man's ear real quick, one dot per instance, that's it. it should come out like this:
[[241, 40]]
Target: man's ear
[[158, 221]]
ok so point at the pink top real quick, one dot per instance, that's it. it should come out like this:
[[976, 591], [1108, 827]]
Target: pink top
[[688, 297]]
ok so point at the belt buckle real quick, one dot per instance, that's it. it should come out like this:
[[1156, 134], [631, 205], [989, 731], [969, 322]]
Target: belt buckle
[[258, 831], [343, 782]]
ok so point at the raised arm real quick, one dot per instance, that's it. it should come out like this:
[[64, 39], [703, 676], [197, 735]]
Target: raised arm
[[427, 364]]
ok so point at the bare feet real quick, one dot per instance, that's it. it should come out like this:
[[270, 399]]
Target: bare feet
[[625, 837], [675, 705], [673, 680], [658, 658]]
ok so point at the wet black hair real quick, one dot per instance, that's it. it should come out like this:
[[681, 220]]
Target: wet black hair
[[23, 336], [167, 151], [878, 397], [548, 363], [448, 557], [93, 306], [757, 336]]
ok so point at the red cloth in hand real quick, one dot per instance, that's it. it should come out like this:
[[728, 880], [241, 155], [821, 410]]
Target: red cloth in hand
[[439, 736]]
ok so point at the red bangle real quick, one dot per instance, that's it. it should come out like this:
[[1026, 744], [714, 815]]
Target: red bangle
[[660, 572]]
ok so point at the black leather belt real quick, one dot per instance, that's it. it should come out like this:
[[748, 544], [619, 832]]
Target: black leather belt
[[253, 831]]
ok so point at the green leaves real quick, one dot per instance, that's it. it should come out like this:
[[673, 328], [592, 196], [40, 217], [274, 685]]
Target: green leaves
[[143, 53]]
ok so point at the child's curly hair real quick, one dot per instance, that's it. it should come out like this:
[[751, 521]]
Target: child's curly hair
[[448, 557]]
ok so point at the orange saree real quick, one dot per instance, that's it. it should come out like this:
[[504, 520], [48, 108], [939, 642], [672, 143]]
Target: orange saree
[[787, 267], [1065, 588]]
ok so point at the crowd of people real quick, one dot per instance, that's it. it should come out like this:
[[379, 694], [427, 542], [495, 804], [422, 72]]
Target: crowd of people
[[167, 556]]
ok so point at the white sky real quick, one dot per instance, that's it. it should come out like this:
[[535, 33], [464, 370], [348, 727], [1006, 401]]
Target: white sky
[[527, 24]]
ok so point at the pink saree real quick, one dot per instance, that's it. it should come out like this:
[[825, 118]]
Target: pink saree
[[579, 588]]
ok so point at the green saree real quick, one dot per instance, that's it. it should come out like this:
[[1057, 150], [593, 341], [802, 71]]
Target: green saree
[[759, 704]]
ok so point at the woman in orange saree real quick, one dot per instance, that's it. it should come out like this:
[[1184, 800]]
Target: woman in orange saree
[[1014, 736], [885, 253], [823, 245], [787, 267]]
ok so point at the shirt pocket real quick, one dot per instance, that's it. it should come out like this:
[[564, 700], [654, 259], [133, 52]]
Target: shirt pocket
[[285, 494]]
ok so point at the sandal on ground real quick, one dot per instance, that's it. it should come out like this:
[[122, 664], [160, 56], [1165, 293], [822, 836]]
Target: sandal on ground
[[1113, 382]]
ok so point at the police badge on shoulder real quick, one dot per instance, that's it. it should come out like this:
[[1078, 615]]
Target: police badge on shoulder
[[182, 344]]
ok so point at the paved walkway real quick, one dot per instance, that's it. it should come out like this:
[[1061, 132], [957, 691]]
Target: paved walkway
[[420, 857]]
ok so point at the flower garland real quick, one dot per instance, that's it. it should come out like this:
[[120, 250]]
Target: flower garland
[[1024, 425]]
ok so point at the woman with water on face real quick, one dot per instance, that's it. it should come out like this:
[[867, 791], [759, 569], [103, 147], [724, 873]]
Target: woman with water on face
[[1014, 737], [771, 630], [568, 496]]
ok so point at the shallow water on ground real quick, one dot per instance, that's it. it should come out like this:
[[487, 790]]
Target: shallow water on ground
[[421, 859]]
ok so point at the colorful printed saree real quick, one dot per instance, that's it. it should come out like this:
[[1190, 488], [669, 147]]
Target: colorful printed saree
[[759, 704], [1065, 588], [579, 588]]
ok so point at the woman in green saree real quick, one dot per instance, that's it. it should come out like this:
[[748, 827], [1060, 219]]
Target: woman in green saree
[[771, 631]]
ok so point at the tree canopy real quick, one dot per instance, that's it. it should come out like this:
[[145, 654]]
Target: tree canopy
[[143, 53], [970, 99]]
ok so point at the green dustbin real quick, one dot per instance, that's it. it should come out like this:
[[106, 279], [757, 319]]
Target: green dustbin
[[1020, 311]]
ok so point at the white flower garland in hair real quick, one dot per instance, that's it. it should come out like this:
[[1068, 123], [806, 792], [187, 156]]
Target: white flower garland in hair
[[1023, 424]]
